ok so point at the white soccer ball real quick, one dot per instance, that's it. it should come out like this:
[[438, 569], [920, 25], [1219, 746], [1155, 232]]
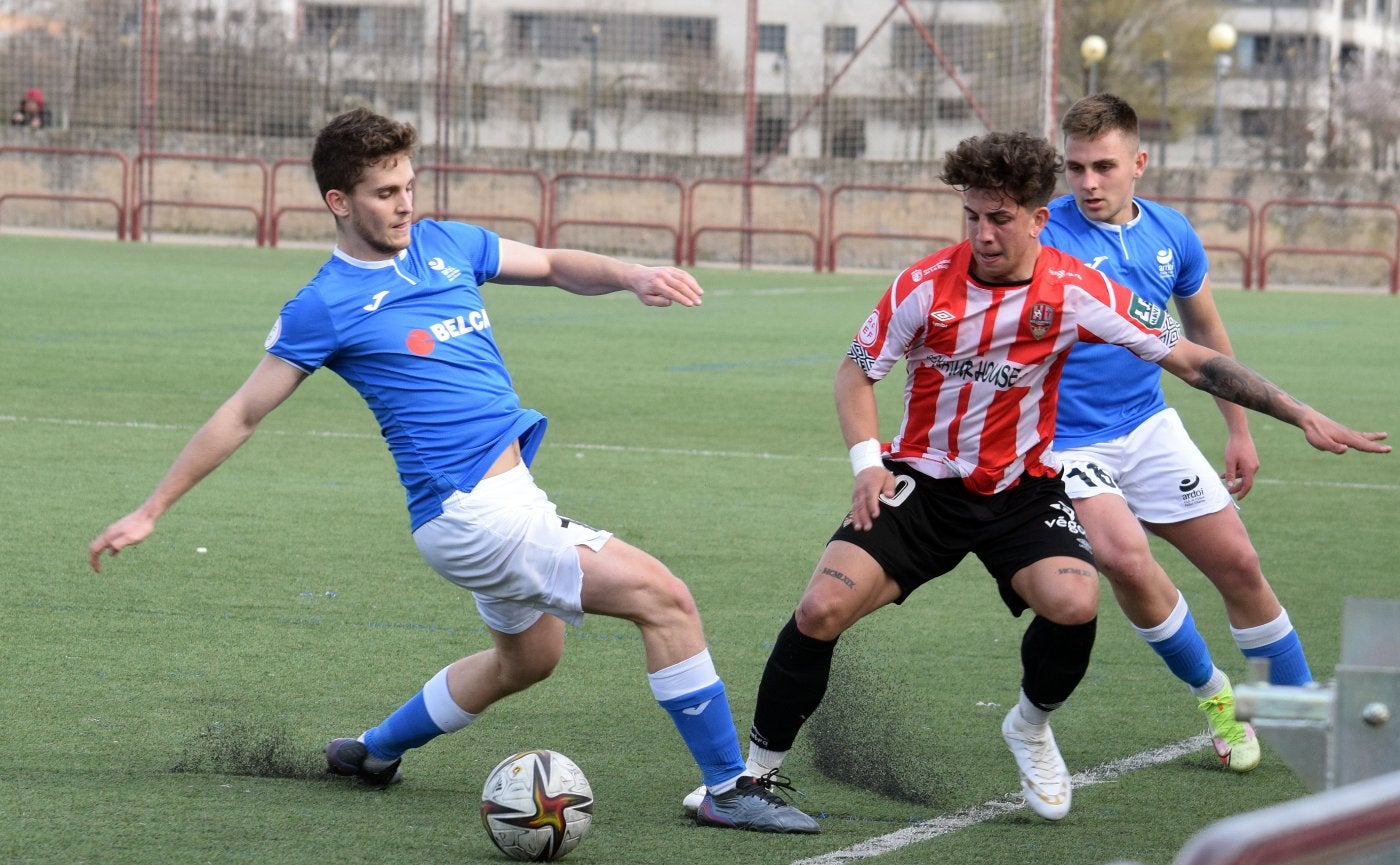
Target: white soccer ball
[[536, 805]]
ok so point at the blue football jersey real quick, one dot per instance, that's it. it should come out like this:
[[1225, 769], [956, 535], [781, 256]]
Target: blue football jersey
[[1106, 391], [412, 336]]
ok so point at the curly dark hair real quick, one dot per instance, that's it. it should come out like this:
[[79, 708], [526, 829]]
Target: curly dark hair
[[1018, 166], [354, 141], [1095, 115]]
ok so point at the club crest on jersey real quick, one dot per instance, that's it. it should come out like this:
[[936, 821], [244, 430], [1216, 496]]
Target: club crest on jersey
[[1042, 315], [870, 330]]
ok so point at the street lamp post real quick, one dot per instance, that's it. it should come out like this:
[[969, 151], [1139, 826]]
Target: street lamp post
[[592, 39], [1163, 69], [1222, 37], [1092, 50]]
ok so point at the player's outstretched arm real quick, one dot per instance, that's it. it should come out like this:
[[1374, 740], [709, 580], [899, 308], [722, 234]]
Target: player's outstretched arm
[[271, 382], [588, 273], [1227, 378]]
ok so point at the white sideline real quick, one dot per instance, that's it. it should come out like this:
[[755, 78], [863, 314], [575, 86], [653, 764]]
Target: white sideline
[[588, 446], [967, 817]]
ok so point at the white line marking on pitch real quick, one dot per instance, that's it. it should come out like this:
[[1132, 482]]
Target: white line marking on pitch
[[584, 446], [968, 817]]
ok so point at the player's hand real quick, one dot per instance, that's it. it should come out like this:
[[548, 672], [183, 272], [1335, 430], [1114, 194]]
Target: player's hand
[[1241, 465], [871, 483], [663, 286], [1326, 434], [130, 529]]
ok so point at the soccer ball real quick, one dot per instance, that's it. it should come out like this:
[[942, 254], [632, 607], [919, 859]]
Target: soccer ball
[[536, 805]]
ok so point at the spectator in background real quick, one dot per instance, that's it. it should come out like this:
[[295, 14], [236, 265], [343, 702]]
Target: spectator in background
[[31, 112]]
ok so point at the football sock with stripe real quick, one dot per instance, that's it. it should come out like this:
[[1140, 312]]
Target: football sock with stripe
[[428, 714], [1279, 642], [794, 681], [694, 696], [1180, 644]]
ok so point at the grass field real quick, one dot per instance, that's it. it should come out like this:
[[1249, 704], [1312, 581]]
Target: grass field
[[172, 709]]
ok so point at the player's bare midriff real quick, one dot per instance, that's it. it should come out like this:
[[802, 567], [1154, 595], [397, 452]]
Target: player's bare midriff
[[509, 459]]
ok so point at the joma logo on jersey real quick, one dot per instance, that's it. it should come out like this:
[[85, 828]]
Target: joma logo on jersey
[[448, 271], [422, 342]]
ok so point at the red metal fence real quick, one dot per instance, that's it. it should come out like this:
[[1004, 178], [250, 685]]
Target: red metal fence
[[680, 213]]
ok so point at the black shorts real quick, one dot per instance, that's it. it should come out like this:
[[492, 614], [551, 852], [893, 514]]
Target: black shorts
[[926, 528]]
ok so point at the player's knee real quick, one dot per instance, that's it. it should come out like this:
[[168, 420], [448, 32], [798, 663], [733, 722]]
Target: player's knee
[[667, 597], [1080, 610], [1238, 567], [820, 619], [523, 671], [1126, 565], [1070, 608]]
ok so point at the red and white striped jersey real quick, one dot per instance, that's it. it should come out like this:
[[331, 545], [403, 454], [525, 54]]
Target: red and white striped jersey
[[983, 361]]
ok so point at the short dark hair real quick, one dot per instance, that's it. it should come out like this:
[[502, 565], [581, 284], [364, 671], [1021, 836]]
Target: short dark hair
[[1016, 165], [354, 141], [1095, 115]]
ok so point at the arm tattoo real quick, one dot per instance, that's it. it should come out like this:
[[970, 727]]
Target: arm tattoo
[[1231, 380], [837, 575]]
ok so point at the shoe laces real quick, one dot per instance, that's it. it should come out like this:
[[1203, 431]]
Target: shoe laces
[[765, 784], [1042, 756], [1220, 712]]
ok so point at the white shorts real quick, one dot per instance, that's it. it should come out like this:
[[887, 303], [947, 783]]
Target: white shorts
[[1156, 469], [506, 543]]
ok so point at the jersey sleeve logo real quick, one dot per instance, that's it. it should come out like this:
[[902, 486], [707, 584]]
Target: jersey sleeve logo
[[870, 330], [274, 334], [1147, 313]]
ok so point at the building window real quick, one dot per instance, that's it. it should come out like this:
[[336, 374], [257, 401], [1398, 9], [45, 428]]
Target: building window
[[772, 37], [1256, 123], [390, 28], [687, 36], [962, 44], [846, 128], [838, 39], [322, 24], [848, 139], [615, 36]]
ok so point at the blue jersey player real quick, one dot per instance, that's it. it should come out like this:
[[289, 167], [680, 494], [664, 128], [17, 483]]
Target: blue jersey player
[[1127, 459], [397, 312]]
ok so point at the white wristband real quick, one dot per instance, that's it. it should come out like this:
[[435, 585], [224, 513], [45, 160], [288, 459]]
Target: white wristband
[[865, 455]]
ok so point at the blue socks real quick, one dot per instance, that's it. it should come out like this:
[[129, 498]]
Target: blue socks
[[1181, 645], [1277, 641], [1184, 650], [430, 713], [692, 693]]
